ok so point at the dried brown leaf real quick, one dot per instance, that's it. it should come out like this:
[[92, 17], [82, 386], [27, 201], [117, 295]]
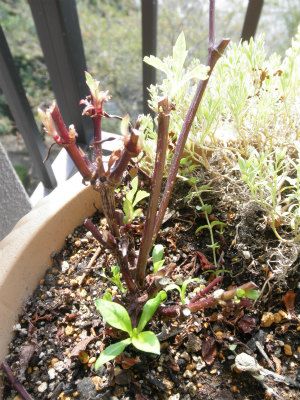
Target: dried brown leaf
[[246, 324], [209, 350], [81, 346], [26, 353], [289, 302]]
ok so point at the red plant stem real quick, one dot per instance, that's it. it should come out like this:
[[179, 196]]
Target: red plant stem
[[110, 243], [98, 144], [212, 301], [59, 123], [214, 54], [80, 160], [229, 294], [170, 311], [207, 289], [160, 160], [206, 302], [132, 149], [15, 382], [77, 155], [97, 135]]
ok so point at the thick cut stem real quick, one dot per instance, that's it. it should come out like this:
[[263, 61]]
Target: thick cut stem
[[212, 301], [98, 144], [80, 160], [132, 149], [161, 153], [97, 135], [214, 55], [69, 142], [206, 290]]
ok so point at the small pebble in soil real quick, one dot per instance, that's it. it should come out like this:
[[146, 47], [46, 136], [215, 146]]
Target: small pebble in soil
[[42, 387], [51, 373], [64, 266], [288, 350]]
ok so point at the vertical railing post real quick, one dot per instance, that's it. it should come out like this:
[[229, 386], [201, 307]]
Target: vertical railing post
[[17, 101], [149, 43], [252, 19], [59, 33]]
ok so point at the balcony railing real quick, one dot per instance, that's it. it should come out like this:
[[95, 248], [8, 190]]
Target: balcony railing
[[59, 34]]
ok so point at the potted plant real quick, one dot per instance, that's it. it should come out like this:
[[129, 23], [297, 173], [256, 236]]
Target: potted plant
[[144, 284]]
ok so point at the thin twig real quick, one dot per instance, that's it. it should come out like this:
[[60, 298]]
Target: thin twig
[[94, 258], [15, 383], [264, 354]]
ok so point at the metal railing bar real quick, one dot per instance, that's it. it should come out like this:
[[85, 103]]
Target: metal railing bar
[[252, 19], [14, 93], [59, 33]]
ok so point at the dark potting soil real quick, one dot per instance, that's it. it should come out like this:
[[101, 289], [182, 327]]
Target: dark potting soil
[[60, 334]]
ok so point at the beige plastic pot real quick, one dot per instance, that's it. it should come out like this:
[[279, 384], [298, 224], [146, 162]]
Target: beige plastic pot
[[25, 252]]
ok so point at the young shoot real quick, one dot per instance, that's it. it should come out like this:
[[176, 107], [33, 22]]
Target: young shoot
[[115, 278], [158, 257], [132, 198], [182, 288], [251, 294], [196, 193], [117, 316]]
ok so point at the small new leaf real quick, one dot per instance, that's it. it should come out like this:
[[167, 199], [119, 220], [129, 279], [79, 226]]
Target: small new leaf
[[146, 341], [157, 253], [157, 265], [150, 308], [114, 314], [141, 194], [111, 352]]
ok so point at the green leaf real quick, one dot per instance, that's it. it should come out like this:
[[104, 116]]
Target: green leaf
[[125, 125], [240, 293], [111, 352], [184, 287], [157, 63], [217, 223], [179, 52], [137, 213], [157, 253], [134, 187], [141, 194], [184, 161], [92, 83], [146, 341], [252, 294], [149, 309], [201, 228], [207, 208], [107, 296], [198, 72], [114, 314], [157, 265], [128, 211], [173, 286]]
